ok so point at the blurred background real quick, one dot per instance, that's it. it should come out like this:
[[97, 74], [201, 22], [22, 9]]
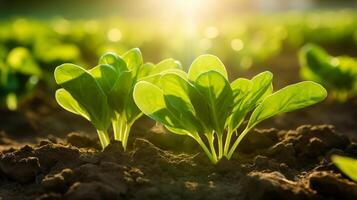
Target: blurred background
[[250, 36], [241, 32]]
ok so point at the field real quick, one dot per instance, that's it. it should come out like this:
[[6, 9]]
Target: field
[[50, 153]]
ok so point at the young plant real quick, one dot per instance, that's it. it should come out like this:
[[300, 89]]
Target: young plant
[[347, 165], [129, 68], [19, 76], [103, 94], [338, 74], [205, 106], [82, 95]]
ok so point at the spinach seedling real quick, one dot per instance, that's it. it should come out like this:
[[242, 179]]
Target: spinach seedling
[[103, 94], [347, 165], [82, 95], [205, 106], [338, 74], [120, 76], [19, 76]]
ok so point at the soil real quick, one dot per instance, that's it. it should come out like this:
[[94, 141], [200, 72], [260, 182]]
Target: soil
[[269, 164], [49, 153]]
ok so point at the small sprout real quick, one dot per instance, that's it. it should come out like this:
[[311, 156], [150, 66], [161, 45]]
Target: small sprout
[[21, 60], [205, 106], [338, 74], [82, 95], [119, 88], [19, 76], [347, 165], [104, 94]]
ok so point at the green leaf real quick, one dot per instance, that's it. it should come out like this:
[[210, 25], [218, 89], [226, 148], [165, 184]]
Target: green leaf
[[205, 63], [66, 101], [105, 75], [20, 60], [145, 70], [152, 102], [261, 87], [337, 73], [149, 69], [176, 94], [250, 94], [179, 131], [121, 91], [113, 60], [166, 64], [347, 165], [240, 88], [215, 88], [290, 98], [132, 112], [133, 60], [86, 91], [155, 78]]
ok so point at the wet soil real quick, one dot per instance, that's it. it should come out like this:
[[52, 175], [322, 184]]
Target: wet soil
[[269, 164]]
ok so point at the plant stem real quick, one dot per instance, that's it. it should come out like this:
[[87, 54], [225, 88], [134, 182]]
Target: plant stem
[[116, 129], [220, 145], [236, 143], [121, 130], [116, 123], [206, 150], [125, 134], [210, 139], [229, 137], [103, 138], [228, 142]]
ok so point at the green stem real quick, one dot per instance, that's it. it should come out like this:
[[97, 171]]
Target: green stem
[[125, 135], [212, 158], [103, 138], [122, 129], [117, 127], [210, 139], [236, 143], [11, 101], [228, 142], [220, 146], [229, 137]]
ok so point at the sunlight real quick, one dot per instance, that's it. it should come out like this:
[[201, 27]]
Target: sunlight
[[183, 11], [188, 7]]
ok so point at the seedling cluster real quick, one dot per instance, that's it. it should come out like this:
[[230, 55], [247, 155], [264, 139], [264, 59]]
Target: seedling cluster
[[103, 94], [202, 103]]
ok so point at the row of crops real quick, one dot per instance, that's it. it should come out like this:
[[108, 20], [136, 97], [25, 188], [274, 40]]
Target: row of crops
[[30, 49]]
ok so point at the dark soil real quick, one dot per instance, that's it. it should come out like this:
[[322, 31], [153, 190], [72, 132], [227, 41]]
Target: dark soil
[[269, 164], [49, 153]]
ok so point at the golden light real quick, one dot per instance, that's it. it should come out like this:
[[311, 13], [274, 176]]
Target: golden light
[[205, 44], [237, 44], [335, 62], [187, 7], [246, 62], [180, 12], [114, 35], [62, 26], [211, 32]]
